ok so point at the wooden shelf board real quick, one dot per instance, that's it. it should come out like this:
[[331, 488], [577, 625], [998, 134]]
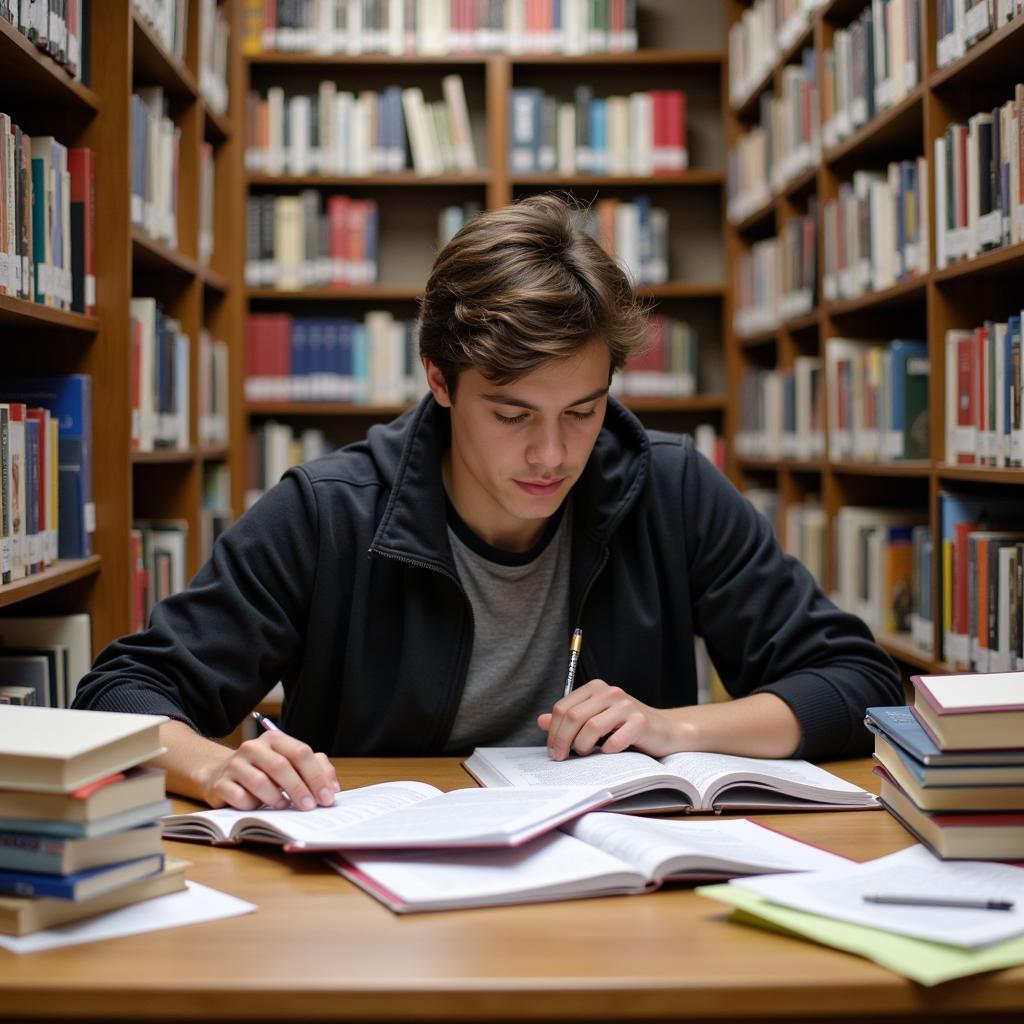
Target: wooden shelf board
[[900, 647], [375, 180], [769, 337], [380, 59], [805, 181], [756, 218], [697, 178], [214, 454], [323, 409], [39, 76], [692, 403], [802, 465], [215, 281], [995, 57], [911, 467], [759, 464], [682, 290], [372, 292], [216, 127], [148, 252], [165, 456], [25, 315], [981, 474], [676, 58], [748, 106], [809, 321], [903, 293], [996, 263], [694, 58], [904, 120], [155, 63], [57, 575]]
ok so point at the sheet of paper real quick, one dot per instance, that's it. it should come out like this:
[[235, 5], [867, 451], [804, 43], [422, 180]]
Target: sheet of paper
[[928, 963], [840, 893], [193, 905]]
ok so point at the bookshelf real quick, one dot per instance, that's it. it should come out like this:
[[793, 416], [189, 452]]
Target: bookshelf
[[924, 306], [44, 100], [680, 46]]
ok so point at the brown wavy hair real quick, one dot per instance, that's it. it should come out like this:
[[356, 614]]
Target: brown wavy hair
[[521, 285]]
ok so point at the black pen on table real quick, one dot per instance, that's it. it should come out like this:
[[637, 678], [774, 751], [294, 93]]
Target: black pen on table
[[965, 903], [575, 647]]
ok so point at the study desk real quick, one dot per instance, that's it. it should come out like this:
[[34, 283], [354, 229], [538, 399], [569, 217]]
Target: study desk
[[319, 949]]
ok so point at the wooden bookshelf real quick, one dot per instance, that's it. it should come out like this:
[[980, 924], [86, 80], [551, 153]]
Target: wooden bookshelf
[[926, 306], [44, 99], [681, 43]]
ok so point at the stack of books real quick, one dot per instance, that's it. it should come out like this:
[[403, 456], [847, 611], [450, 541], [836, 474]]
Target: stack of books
[[952, 764], [78, 816]]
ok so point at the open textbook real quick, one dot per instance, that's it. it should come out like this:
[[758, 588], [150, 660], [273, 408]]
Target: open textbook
[[693, 781], [396, 815], [595, 855]]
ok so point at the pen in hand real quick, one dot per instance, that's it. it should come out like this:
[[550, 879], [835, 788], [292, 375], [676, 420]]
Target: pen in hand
[[938, 901], [267, 723], [575, 647]]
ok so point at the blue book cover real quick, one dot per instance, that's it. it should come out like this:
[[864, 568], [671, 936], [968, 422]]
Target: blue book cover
[[908, 407], [599, 136], [902, 729], [83, 884], [69, 399]]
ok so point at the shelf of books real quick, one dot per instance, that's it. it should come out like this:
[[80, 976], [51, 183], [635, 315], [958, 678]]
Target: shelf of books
[[121, 178], [875, 214], [369, 145]]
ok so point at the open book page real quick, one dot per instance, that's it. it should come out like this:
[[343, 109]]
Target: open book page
[[840, 893], [712, 775], [716, 847], [553, 867], [623, 774], [407, 814]]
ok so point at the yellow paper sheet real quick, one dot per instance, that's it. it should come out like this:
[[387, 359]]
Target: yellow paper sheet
[[928, 963]]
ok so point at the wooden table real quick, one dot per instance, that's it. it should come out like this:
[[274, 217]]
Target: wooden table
[[319, 949]]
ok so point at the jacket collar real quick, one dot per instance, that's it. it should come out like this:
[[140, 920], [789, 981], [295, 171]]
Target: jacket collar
[[408, 453]]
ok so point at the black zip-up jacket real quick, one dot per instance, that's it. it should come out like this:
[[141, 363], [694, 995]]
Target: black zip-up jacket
[[340, 582]]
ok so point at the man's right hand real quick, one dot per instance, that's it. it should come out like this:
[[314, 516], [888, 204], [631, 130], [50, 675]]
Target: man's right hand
[[273, 770]]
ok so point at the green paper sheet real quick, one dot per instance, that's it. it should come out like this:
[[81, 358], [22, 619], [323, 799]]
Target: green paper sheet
[[928, 963]]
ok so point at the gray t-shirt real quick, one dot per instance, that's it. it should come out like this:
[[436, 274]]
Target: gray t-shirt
[[520, 636]]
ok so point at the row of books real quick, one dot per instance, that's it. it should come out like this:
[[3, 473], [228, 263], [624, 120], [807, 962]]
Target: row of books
[[45, 472], [961, 24], [635, 233], [641, 134], [215, 513], [438, 27], [79, 832], [776, 278], [59, 28], [871, 66], [169, 20], [981, 565], [765, 29], [43, 658], [294, 242], [877, 399], [952, 766], [273, 448], [781, 415], [875, 232], [159, 564], [668, 365], [337, 132], [155, 155], [47, 224], [160, 376], [214, 49], [979, 187], [374, 361], [984, 394]]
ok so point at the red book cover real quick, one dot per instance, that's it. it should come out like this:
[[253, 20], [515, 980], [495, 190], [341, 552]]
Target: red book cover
[[82, 169], [966, 390], [337, 218], [356, 239], [660, 161], [961, 530], [606, 224], [981, 396]]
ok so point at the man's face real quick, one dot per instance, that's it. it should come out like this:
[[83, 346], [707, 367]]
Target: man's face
[[518, 448]]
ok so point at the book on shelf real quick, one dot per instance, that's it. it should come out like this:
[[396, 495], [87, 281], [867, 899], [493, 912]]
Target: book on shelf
[[992, 835], [32, 671], [972, 712], [58, 750], [82, 885], [397, 815], [595, 855], [71, 632], [82, 227], [22, 915], [122, 800], [691, 781], [67, 855]]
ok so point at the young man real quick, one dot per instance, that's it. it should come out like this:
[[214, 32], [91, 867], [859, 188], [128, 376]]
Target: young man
[[416, 592]]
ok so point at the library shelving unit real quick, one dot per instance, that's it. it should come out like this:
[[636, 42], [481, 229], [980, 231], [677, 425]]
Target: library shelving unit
[[924, 306], [42, 98], [689, 37]]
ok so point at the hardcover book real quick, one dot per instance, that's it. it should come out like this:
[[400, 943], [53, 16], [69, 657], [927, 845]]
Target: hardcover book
[[979, 711]]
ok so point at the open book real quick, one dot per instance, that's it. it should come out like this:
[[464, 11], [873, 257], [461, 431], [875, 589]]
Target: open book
[[595, 855], [394, 815], [693, 781]]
